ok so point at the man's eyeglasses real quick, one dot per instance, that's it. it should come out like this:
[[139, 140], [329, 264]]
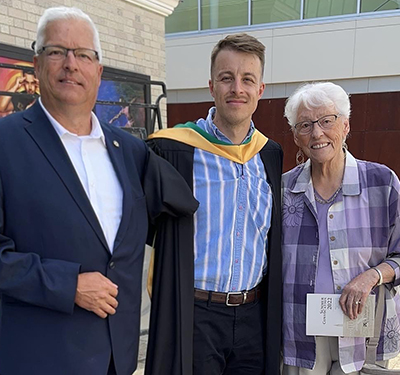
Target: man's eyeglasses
[[325, 123], [57, 53]]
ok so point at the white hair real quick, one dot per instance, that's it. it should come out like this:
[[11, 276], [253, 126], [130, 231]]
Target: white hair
[[65, 13], [316, 95]]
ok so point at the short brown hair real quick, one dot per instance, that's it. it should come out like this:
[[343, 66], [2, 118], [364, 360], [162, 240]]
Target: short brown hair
[[240, 43]]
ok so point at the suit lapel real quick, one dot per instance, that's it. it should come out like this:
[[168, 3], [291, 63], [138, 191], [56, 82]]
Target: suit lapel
[[42, 132], [116, 152]]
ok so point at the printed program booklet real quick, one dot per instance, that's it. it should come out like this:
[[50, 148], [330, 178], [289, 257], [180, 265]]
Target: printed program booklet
[[326, 318]]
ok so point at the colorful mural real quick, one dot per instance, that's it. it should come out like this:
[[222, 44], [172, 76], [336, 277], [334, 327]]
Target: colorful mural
[[119, 104], [19, 87], [121, 100]]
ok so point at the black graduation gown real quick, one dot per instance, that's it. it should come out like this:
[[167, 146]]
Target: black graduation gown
[[170, 344]]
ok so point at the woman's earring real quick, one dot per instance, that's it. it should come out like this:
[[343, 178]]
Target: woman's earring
[[344, 146], [300, 157]]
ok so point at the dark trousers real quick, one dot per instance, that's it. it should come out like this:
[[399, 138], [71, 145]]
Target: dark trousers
[[228, 340]]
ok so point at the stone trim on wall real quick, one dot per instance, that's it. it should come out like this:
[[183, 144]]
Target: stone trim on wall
[[163, 7]]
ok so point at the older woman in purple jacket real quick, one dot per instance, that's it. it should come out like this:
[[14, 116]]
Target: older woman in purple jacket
[[341, 234]]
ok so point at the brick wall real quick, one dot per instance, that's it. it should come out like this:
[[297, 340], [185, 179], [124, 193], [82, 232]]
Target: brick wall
[[132, 38]]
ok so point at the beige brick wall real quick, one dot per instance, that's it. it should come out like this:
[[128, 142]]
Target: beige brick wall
[[132, 38]]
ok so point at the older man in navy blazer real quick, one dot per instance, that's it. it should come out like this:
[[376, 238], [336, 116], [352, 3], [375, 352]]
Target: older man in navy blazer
[[73, 217]]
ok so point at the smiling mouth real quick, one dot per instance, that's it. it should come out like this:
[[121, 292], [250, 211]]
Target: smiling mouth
[[236, 102], [69, 82], [321, 145]]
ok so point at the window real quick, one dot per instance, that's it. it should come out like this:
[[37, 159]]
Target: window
[[223, 13], [196, 15], [184, 17], [325, 8], [379, 5], [266, 11]]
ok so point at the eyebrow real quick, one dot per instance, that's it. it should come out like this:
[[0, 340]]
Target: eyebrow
[[250, 74], [224, 72], [231, 73]]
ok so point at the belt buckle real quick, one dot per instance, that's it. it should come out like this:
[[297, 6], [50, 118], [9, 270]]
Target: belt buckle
[[235, 294]]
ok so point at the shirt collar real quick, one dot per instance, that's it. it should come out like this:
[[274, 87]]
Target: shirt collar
[[351, 180], [211, 128], [351, 177], [96, 132]]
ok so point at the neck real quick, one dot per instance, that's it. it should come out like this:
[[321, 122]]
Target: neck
[[327, 178], [236, 133], [72, 119]]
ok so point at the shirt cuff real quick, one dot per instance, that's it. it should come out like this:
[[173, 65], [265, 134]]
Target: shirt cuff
[[396, 269]]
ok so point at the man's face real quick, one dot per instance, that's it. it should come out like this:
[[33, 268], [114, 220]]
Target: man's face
[[68, 83], [236, 86], [30, 83]]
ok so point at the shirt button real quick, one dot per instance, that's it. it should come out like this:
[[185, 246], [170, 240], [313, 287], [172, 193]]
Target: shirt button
[[112, 265], [233, 288], [237, 234], [236, 261], [339, 287], [330, 216], [333, 238], [335, 262]]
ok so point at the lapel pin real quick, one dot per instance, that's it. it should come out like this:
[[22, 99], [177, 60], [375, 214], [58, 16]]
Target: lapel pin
[[115, 143]]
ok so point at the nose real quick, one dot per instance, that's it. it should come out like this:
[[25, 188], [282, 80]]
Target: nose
[[236, 86], [316, 130], [70, 62]]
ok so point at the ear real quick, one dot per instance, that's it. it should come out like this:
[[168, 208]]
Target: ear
[[261, 90], [211, 87], [346, 127], [295, 139], [36, 64], [100, 72]]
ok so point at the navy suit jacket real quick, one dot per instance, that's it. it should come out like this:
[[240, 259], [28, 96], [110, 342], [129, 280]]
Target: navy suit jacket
[[49, 233]]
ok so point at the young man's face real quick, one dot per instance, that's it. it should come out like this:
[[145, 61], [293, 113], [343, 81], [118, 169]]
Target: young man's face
[[30, 83], [236, 86]]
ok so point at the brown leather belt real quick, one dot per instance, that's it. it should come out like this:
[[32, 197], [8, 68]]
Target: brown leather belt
[[229, 299]]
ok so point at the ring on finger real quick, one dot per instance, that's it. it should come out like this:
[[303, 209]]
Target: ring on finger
[[357, 302]]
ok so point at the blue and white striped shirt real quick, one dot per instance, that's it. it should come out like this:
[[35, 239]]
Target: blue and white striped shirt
[[233, 219]]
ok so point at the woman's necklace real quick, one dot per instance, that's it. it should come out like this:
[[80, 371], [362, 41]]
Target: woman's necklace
[[321, 200]]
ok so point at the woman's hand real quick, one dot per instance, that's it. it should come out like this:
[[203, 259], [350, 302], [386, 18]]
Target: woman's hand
[[356, 292]]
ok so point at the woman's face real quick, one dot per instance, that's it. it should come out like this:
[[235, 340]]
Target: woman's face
[[322, 145]]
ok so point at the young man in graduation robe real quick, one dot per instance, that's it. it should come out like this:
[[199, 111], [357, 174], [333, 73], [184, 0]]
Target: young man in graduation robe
[[216, 297]]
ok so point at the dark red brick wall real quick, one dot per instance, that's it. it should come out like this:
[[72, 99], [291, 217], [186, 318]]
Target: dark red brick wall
[[374, 126]]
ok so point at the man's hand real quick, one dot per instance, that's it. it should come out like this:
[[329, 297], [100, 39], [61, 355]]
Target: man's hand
[[96, 293], [19, 82]]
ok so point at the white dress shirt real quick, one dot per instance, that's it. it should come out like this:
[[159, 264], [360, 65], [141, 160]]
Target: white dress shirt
[[92, 163]]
